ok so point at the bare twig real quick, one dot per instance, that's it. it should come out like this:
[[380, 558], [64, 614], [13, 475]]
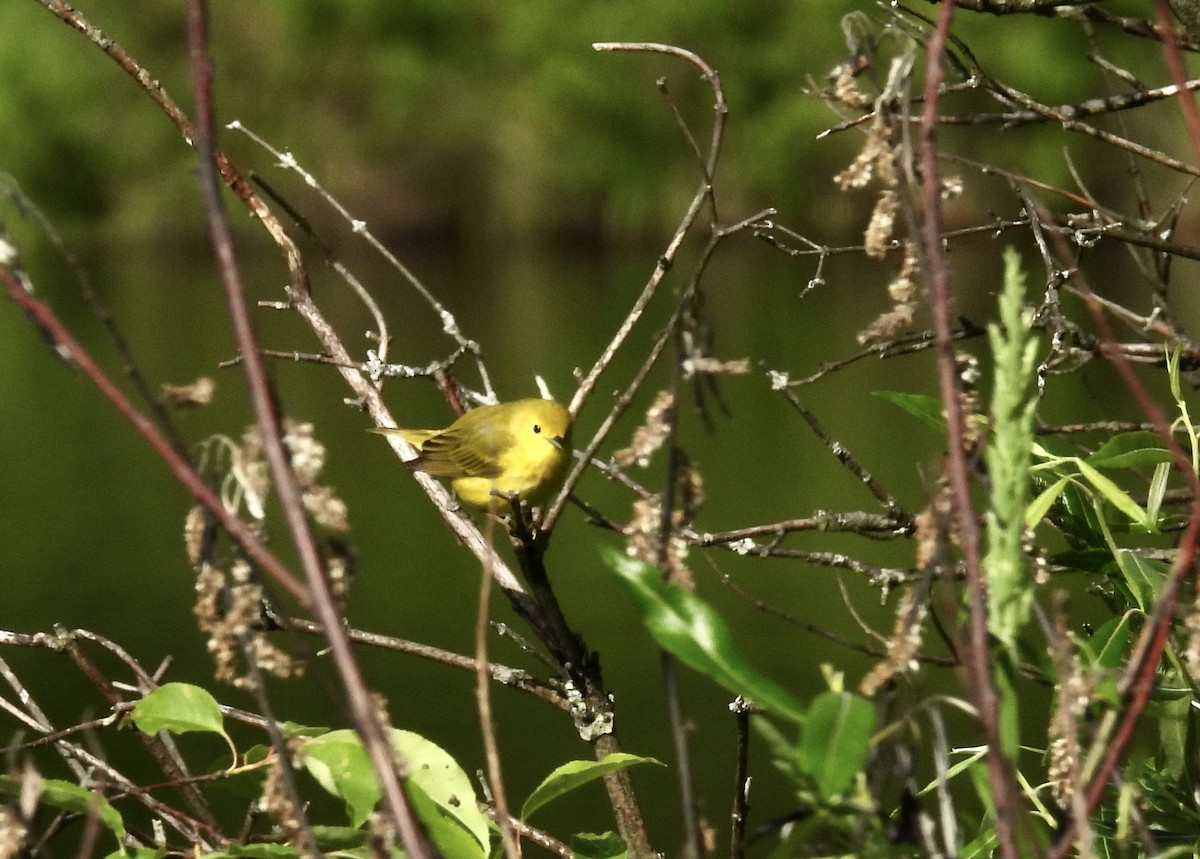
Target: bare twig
[[483, 700], [588, 383], [977, 653], [362, 710], [181, 469], [741, 779], [1140, 677]]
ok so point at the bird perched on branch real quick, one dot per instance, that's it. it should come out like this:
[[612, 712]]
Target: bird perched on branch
[[522, 447]]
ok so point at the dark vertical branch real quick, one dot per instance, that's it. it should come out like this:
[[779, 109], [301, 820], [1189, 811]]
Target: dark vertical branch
[[976, 653], [741, 780], [362, 710], [283, 755], [1187, 100], [693, 840]]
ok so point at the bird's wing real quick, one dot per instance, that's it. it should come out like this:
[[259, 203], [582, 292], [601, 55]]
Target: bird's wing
[[444, 455]]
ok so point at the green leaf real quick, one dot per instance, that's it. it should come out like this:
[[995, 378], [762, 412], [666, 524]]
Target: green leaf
[[338, 837], [573, 774], [1157, 492], [449, 836], [1172, 733], [956, 770], [689, 629], [1009, 721], [607, 845], [260, 851], [927, 409], [444, 782], [1040, 506], [179, 708], [1130, 450], [1143, 577], [1115, 496], [141, 853], [441, 793], [1078, 519], [71, 797], [1108, 643], [339, 763], [836, 740]]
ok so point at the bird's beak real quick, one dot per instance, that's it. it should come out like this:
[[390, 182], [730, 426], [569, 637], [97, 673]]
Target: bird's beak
[[556, 440]]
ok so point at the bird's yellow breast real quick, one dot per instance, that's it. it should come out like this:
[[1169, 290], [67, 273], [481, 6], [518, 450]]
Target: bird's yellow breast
[[533, 471]]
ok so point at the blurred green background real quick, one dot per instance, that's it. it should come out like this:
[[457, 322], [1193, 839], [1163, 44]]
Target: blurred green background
[[531, 183]]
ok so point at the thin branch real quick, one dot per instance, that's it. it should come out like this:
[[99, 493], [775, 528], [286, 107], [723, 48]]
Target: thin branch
[[1140, 678], [362, 709], [181, 469], [588, 383], [741, 778], [977, 653], [483, 700], [514, 678]]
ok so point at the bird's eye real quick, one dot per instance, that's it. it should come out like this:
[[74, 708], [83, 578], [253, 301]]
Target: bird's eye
[[537, 428]]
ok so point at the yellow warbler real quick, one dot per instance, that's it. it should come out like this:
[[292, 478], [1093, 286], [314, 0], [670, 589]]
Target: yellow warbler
[[522, 447]]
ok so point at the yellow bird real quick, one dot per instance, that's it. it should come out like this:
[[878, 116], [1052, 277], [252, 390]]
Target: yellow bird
[[522, 447]]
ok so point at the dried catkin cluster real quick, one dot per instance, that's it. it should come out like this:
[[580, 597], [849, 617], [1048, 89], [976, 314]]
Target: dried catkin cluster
[[903, 646], [1074, 693], [13, 833], [307, 456], [935, 532], [228, 610], [229, 606], [644, 535], [277, 801], [651, 435], [645, 532], [876, 163]]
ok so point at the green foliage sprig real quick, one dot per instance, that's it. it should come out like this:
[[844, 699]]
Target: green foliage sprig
[[1014, 347]]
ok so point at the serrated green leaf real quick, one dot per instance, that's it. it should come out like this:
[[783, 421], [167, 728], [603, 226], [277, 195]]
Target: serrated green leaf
[[926, 408], [444, 782], [689, 629], [836, 740], [574, 774], [607, 845], [71, 797], [179, 708]]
